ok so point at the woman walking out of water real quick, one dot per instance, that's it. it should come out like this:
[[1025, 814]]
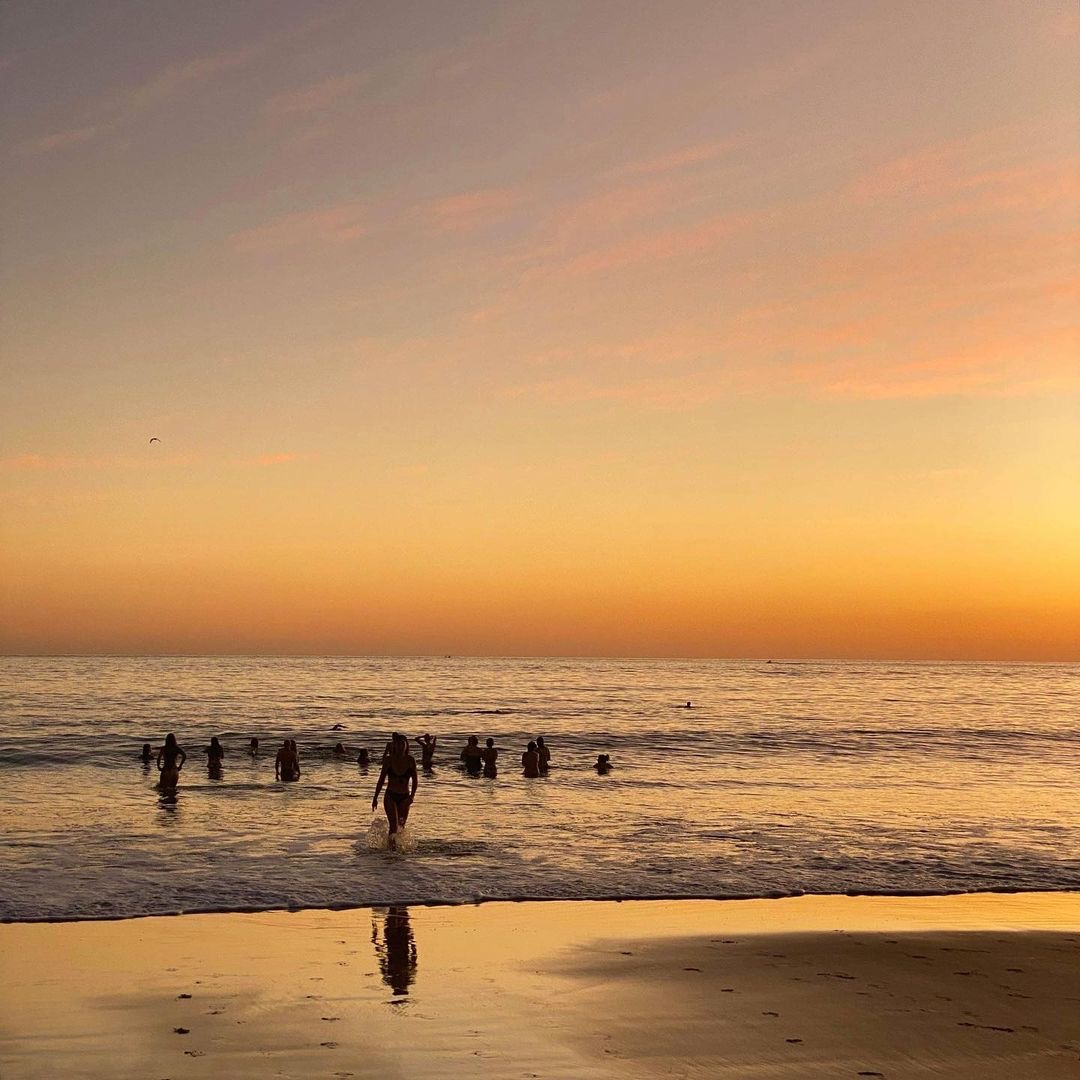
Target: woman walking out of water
[[490, 756], [399, 775], [170, 760], [530, 762]]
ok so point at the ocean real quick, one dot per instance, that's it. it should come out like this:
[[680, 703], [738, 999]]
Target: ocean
[[783, 778]]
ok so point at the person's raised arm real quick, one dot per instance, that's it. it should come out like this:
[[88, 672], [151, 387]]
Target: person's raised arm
[[378, 787]]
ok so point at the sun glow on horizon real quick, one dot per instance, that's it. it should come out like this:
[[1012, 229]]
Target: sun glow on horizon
[[725, 330]]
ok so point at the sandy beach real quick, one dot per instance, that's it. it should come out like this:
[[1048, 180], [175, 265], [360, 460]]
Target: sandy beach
[[965, 986]]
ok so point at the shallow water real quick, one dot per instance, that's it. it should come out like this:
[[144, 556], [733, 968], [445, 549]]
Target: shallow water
[[783, 778]]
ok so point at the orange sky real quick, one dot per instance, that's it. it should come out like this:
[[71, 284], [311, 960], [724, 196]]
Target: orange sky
[[710, 329]]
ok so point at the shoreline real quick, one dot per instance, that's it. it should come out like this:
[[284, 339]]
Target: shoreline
[[648, 898], [978, 986]]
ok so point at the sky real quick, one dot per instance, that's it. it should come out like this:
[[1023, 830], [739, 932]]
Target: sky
[[600, 328]]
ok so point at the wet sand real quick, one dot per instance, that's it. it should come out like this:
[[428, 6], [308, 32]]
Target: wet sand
[[966, 986]]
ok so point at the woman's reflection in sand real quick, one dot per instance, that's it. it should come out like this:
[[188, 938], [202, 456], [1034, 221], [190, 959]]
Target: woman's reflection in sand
[[396, 952]]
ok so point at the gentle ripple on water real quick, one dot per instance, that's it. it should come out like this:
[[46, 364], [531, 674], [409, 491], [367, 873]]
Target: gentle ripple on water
[[785, 777]]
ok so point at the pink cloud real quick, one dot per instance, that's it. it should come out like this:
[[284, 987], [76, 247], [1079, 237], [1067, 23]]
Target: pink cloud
[[697, 154], [267, 460], [473, 209], [58, 140], [313, 97], [338, 224], [659, 245]]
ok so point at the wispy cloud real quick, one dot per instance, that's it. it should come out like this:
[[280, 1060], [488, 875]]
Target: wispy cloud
[[474, 209], [60, 139], [677, 160], [313, 97], [340, 223]]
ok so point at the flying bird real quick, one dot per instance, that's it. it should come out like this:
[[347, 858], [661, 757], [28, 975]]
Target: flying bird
[[155, 439]]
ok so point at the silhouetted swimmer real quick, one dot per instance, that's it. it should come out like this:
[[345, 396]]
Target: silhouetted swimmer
[[603, 764], [287, 762], [399, 775], [470, 756], [170, 760], [530, 762], [147, 754], [545, 754], [364, 757], [686, 706], [490, 755], [215, 754], [253, 746], [427, 749], [340, 750], [338, 727]]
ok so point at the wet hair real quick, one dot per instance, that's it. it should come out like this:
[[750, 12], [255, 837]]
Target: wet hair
[[170, 739], [214, 741], [473, 740], [532, 746], [491, 742], [539, 740], [145, 746]]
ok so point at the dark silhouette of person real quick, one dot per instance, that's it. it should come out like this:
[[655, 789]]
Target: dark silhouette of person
[[603, 764], [340, 750], [338, 727], [545, 754], [398, 773], [253, 746], [287, 762], [530, 762], [364, 757], [490, 756], [688, 706], [215, 753], [170, 760], [147, 754], [396, 952], [470, 756], [427, 750]]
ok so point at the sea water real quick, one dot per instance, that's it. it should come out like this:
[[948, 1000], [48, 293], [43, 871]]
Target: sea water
[[783, 777]]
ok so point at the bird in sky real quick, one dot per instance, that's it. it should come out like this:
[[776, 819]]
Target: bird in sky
[[155, 439]]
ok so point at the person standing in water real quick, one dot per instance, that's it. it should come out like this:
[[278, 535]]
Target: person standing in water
[[470, 756], [399, 775], [214, 754], [147, 754], [170, 760], [545, 755], [530, 762], [287, 762], [427, 750], [490, 755]]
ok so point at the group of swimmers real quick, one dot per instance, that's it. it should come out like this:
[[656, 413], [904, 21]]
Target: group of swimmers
[[398, 774]]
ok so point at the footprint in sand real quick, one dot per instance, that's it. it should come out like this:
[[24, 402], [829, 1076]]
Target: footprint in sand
[[692, 969], [194, 1053], [793, 1040], [329, 1045], [330, 1019], [727, 989], [770, 1014], [182, 1031], [868, 1073], [183, 997]]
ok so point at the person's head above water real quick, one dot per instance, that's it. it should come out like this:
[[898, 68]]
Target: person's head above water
[[214, 741], [473, 740], [539, 740], [532, 746], [170, 740], [399, 744], [490, 742], [363, 756]]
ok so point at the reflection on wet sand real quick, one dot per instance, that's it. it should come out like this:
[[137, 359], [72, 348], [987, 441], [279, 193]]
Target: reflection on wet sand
[[396, 952]]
